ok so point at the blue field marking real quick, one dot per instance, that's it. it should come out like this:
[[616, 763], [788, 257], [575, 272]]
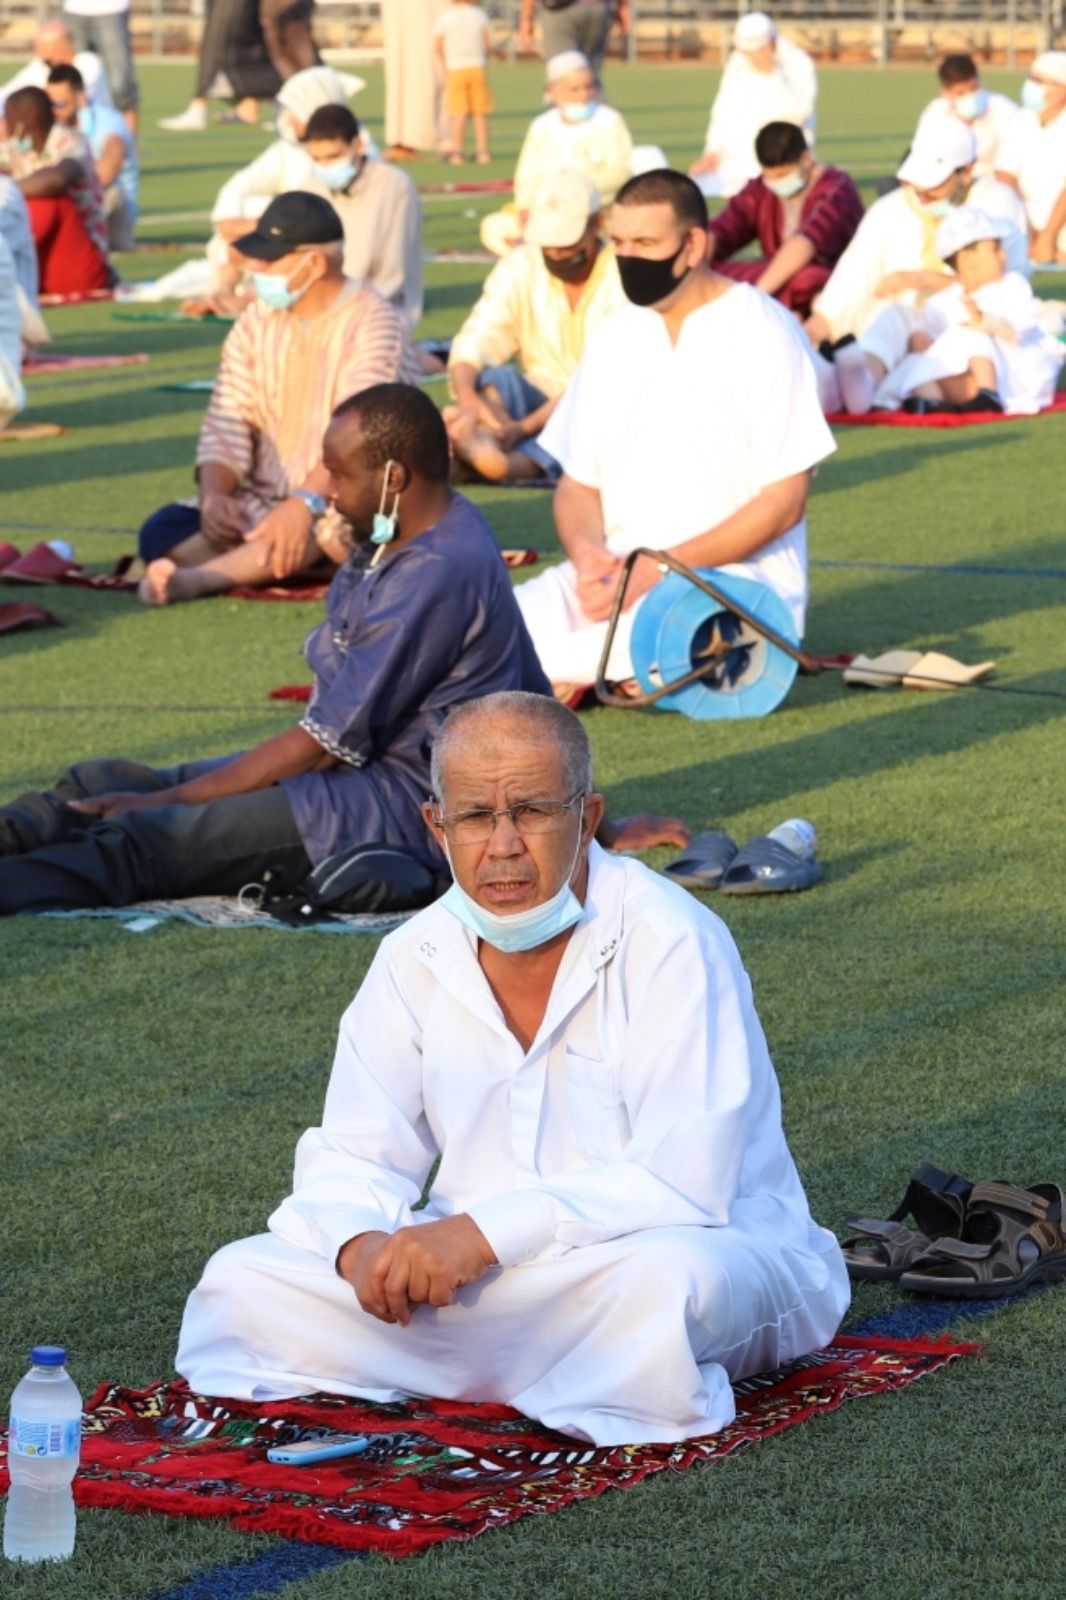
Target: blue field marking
[[920, 1317], [952, 569], [264, 1574]]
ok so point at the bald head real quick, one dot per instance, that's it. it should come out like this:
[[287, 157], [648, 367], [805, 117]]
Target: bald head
[[499, 724], [54, 44]]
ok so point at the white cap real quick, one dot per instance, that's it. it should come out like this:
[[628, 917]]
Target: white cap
[[965, 226], [561, 66], [560, 210], [1049, 65], [753, 31], [939, 152]]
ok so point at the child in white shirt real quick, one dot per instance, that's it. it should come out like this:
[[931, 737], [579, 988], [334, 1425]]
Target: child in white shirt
[[462, 46], [980, 346]]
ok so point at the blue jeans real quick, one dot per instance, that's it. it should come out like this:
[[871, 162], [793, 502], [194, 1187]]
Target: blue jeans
[[165, 528], [109, 36], [519, 398]]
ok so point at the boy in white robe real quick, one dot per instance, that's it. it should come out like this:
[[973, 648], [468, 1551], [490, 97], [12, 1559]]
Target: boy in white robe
[[616, 1229], [979, 348], [766, 79]]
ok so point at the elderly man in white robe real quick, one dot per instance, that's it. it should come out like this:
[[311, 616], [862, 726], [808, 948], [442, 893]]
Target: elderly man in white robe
[[616, 1229], [893, 257], [766, 79]]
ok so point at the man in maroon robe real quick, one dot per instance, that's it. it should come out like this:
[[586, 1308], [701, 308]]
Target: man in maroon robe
[[801, 214]]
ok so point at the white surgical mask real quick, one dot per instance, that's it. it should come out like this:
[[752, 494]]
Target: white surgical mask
[[1034, 96], [971, 106], [785, 188], [522, 930], [936, 208]]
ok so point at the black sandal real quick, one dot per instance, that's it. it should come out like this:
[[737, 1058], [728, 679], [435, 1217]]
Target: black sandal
[[881, 1250], [1011, 1239]]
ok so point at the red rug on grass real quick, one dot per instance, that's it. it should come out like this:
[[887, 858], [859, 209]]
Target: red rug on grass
[[437, 1469], [34, 362], [936, 419]]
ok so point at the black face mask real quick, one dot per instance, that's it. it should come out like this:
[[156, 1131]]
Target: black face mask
[[569, 268], [647, 282]]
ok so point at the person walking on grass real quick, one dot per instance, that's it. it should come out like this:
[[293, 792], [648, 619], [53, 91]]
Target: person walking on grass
[[462, 46]]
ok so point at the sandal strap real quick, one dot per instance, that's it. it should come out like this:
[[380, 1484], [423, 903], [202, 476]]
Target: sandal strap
[[956, 1250], [1006, 1196], [878, 1228]]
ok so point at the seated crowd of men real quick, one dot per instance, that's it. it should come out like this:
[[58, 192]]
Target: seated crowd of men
[[583, 1160]]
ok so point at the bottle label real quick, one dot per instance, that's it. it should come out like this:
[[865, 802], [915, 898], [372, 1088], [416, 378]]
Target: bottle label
[[40, 1439]]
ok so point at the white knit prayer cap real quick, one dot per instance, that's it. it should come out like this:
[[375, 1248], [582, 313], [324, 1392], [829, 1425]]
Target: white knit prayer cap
[[753, 31], [305, 92], [1050, 65], [561, 66]]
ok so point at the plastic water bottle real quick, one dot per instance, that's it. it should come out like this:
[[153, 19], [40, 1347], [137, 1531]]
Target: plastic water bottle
[[44, 1442], [796, 835]]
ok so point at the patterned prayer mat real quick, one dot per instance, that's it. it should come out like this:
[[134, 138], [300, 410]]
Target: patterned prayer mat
[[436, 1469]]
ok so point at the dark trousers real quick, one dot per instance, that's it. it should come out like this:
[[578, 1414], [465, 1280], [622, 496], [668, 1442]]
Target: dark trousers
[[170, 525], [53, 859]]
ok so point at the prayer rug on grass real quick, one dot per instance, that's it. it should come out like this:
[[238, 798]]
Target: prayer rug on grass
[[36, 363], [229, 911], [935, 419], [436, 1469]]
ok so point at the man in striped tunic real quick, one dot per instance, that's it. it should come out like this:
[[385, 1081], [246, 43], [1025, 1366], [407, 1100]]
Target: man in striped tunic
[[311, 339]]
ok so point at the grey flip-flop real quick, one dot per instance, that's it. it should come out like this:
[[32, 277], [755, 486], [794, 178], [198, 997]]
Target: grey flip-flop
[[703, 862], [765, 866]]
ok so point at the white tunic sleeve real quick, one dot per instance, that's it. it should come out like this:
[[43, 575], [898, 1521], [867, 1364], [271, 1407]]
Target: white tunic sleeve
[[699, 1094], [366, 1166]]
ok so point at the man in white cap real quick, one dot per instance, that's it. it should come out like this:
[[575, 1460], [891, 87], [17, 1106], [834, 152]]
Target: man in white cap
[[565, 25], [1033, 158], [578, 133], [893, 256], [975, 347], [539, 306], [963, 95], [667, 440], [766, 79]]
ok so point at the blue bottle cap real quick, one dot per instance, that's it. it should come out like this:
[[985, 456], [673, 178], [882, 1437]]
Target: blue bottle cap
[[48, 1355]]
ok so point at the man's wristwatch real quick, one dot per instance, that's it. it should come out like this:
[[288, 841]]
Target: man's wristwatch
[[317, 504]]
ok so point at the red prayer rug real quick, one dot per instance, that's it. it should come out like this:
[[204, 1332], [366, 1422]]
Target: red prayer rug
[[436, 1469], [42, 362], [935, 419]]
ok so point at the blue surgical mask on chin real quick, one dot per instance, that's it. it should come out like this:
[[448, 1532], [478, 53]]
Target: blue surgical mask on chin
[[338, 175], [1034, 96], [580, 111], [275, 292], [522, 930], [936, 208]]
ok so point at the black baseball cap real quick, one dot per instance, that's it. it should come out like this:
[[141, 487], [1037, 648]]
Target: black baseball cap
[[289, 221]]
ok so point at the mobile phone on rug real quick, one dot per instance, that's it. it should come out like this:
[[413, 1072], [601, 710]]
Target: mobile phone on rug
[[307, 1451]]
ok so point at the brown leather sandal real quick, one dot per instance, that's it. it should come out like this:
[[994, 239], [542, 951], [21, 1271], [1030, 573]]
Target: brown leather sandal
[[881, 1250], [1011, 1239]]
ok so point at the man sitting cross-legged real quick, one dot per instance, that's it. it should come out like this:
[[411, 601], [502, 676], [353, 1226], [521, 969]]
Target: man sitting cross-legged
[[312, 338], [539, 305], [411, 629], [616, 1229], [801, 214]]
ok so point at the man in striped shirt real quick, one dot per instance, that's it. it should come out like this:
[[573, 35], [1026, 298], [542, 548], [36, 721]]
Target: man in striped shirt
[[311, 339]]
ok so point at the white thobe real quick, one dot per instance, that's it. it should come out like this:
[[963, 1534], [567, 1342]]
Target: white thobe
[[1026, 360], [414, 82], [34, 75], [1034, 154], [633, 1180], [896, 236], [746, 101], [675, 438], [989, 130], [12, 394]]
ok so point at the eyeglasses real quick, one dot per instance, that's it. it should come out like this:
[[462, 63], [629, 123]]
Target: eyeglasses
[[529, 817]]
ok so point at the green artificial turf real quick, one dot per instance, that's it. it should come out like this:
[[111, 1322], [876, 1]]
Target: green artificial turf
[[155, 1084]]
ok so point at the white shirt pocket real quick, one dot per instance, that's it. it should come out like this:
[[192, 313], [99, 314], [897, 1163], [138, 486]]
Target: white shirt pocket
[[597, 1118]]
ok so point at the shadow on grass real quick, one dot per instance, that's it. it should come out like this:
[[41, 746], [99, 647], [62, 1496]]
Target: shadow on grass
[[934, 726]]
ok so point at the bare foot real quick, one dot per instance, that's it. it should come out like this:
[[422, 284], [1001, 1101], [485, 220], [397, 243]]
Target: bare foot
[[164, 583], [476, 446]]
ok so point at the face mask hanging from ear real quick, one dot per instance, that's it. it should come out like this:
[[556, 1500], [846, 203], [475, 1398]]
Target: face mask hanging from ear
[[384, 530]]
